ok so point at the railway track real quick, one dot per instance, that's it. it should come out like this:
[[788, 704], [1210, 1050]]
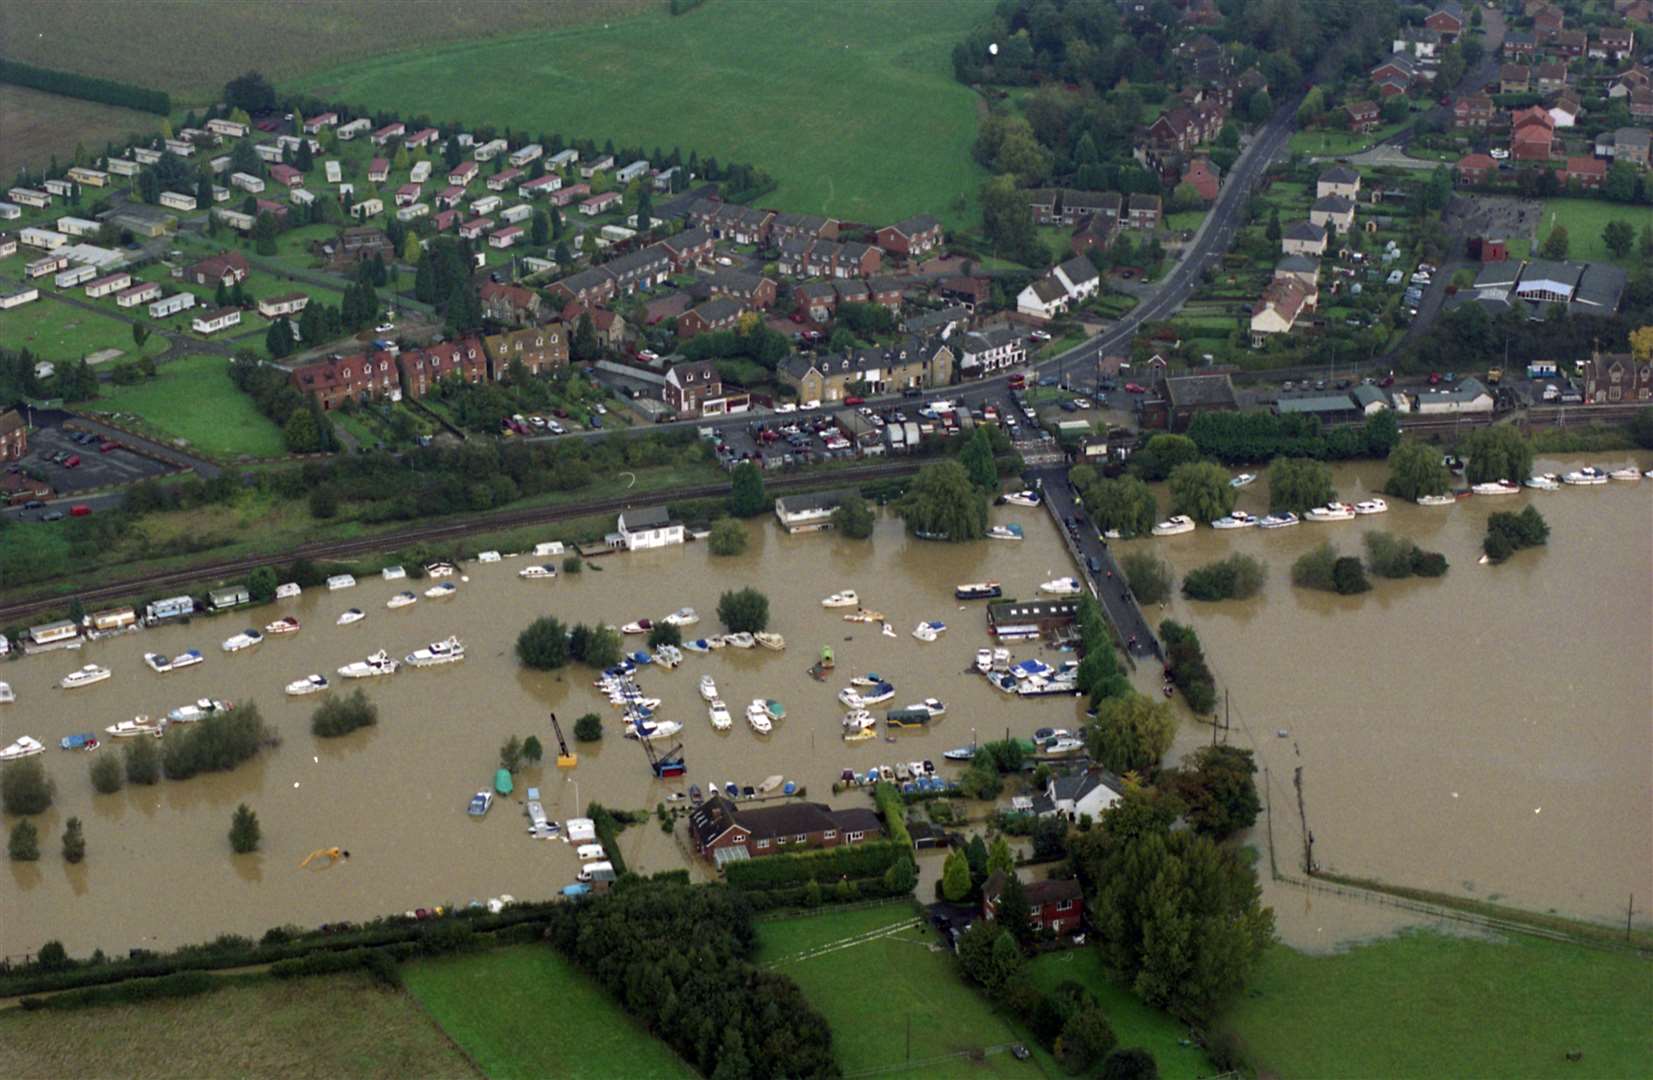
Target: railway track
[[448, 530]]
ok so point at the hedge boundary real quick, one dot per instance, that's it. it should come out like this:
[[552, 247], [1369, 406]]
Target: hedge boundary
[[85, 87]]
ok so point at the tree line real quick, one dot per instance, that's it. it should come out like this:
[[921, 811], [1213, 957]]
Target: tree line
[[85, 87]]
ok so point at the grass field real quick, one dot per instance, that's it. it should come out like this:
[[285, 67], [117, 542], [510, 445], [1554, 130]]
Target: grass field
[[193, 398], [56, 331], [39, 126], [852, 107], [1134, 1023], [1426, 1005], [142, 43], [1584, 219], [325, 1027], [526, 1012], [878, 994], [1333, 143]]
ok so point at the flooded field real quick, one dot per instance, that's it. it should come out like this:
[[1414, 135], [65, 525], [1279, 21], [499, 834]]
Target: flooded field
[[159, 870], [1485, 734]]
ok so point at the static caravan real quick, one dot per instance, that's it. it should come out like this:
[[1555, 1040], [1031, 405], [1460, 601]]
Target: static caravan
[[420, 172], [235, 219], [51, 264], [109, 284], [122, 166], [413, 213], [53, 633], [528, 153], [61, 188], [29, 197], [177, 200], [228, 597], [246, 182], [367, 208], [138, 294], [110, 621], [358, 126], [269, 153], [76, 226], [179, 147], [485, 205], [75, 275], [300, 197], [146, 155], [18, 297], [45, 239], [10, 211], [90, 177], [516, 215], [174, 607], [232, 128], [491, 149], [334, 174], [171, 305]]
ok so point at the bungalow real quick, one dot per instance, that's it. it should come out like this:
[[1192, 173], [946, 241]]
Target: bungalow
[[355, 378], [141, 293], [422, 369], [462, 174], [1057, 905], [109, 284], [543, 185], [1473, 111], [1339, 180], [177, 200], [719, 314], [912, 237], [982, 352], [1078, 795], [648, 527], [390, 131], [227, 267], [171, 305], [808, 513], [539, 349], [599, 204], [1364, 115], [1333, 212], [1277, 310], [722, 833], [507, 236], [210, 322], [293, 303], [1566, 110], [1475, 168], [601, 163]]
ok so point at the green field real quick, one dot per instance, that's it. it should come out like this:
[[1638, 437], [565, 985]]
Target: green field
[[192, 398], [879, 994], [526, 1012], [1134, 1023], [852, 107], [1584, 219], [1327, 142], [1426, 1005], [326, 1027], [56, 331]]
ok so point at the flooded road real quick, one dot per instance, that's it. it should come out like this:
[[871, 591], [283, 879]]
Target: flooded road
[[159, 870], [1488, 734]]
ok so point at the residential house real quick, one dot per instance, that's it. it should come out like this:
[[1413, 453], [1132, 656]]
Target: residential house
[[1364, 115], [642, 269], [1641, 104], [422, 369], [721, 831], [912, 237], [1175, 130], [1334, 213], [1339, 180], [1447, 20], [1202, 176], [540, 349], [512, 305], [1634, 78], [1473, 111], [1044, 298], [809, 512], [691, 247], [1420, 41], [1586, 172], [1613, 43], [669, 306], [590, 287], [1143, 212], [1550, 77], [1519, 45], [1625, 144], [969, 290], [1570, 44], [914, 363], [1532, 135], [1079, 795], [1055, 904], [887, 292], [752, 290], [1282, 302], [1609, 379], [982, 352], [802, 226], [1399, 70], [689, 385], [648, 527], [852, 292], [1514, 78], [817, 300], [1547, 22], [1097, 232], [1475, 169], [357, 378], [1305, 268], [14, 436], [713, 315], [1566, 110], [228, 267], [1079, 276]]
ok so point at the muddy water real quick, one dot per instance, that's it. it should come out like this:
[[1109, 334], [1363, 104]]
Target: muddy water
[[159, 870], [1486, 734]]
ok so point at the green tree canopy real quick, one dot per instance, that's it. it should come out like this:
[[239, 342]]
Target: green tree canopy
[[853, 517], [743, 610], [728, 537], [977, 459], [1296, 484], [1124, 504], [1162, 454], [943, 503], [746, 496], [1131, 733], [1495, 453], [543, 644], [1201, 490], [1415, 469]]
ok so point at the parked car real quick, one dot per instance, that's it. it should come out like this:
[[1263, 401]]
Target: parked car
[[384, 328], [1434, 378], [107, 445], [52, 515], [1133, 388], [33, 504], [1039, 335], [80, 510], [72, 462], [855, 399]]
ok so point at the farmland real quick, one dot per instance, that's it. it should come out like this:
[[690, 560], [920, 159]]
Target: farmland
[[327, 1027], [140, 43], [193, 398], [1338, 1015], [815, 110], [1584, 220], [526, 1012], [41, 126]]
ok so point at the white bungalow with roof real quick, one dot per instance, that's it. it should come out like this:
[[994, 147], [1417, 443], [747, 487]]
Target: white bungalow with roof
[[1468, 396], [1045, 298], [1084, 795], [649, 527]]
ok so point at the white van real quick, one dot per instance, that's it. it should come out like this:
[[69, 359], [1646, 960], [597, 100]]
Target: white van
[[589, 869], [587, 852]]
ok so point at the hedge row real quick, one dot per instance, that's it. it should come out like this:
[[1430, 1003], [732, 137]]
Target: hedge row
[[608, 834], [69, 84], [894, 808], [845, 891], [176, 985], [826, 866]]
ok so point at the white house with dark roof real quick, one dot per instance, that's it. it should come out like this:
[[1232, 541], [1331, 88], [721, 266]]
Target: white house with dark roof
[[647, 527]]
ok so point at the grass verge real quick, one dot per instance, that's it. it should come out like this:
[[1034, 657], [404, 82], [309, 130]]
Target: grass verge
[[526, 1012]]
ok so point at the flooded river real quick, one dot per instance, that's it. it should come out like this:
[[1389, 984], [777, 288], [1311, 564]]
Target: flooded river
[[1488, 734], [1485, 734], [159, 870]]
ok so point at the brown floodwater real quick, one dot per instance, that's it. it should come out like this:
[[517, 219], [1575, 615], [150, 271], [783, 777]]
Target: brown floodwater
[[159, 870], [1488, 734], [1485, 734]]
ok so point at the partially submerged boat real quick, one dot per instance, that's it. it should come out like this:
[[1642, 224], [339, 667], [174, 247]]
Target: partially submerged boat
[[1245, 479], [769, 640], [402, 599], [929, 630], [847, 598], [1441, 499], [246, 639], [1282, 519], [480, 804], [440, 590], [1544, 482], [161, 663], [538, 572], [200, 709], [687, 616], [1012, 531], [310, 684], [82, 741], [1068, 586]]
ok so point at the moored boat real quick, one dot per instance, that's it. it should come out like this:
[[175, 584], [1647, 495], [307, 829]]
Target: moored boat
[[138, 725], [769, 640], [1587, 476], [1011, 531], [978, 590], [85, 676], [984, 660], [1280, 520], [24, 746], [960, 753], [488, 556], [448, 651], [1544, 482], [1062, 745], [287, 624], [1239, 519], [740, 640], [7, 695], [708, 688], [480, 804], [1436, 500], [379, 663], [402, 599], [82, 741], [1245, 479], [1371, 506], [687, 616], [440, 569], [161, 663], [847, 598], [1022, 498], [341, 581], [310, 684], [288, 590], [775, 709], [718, 713], [351, 615], [538, 572], [1332, 511], [1066, 586], [758, 716], [929, 630], [641, 626], [197, 710], [936, 706], [1175, 525], [441, 589], [1496, 487], [1628, 472], [246, 639]]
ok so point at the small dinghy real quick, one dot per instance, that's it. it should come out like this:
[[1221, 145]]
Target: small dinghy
[[86, 741], [929, 631]]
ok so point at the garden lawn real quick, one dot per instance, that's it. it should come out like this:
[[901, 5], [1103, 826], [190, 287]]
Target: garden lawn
[[879, 994], [1184, 220], [1332, 143], [1584, 219], [1134, 1023], [526, 1012], [59, 332], [325, 1027], [800, 89], [193, 398], [1428, 1005]]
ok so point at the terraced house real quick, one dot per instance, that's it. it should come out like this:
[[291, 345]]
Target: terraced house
[[357, 378], [540, 349], [914, 363], [422, 369]]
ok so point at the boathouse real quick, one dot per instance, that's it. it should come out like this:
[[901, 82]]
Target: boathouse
[[1016, 620], [809, 512]]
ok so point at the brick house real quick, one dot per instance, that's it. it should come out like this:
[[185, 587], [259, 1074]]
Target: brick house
[[228, 267], [718, 825], [639, 269], [1364, 115], [510, 304], [751, 290], [1587, 172], [689, 384], [1475, 168], [913, 363], [1532, 135], [14, 436], [802, 226], [1282, 302], [595, 286], [691, 247], [719, 314], [1400, 69], [540, 349], [1447, 20], [1611, 378], [1514, 78], [1144, 212], [1473, 111], [1057, 905], [1570, 44], [1518, 46], [1550, 77], [423, 368], [913, 237], [1175, 129], [354, 378], [817, 300]]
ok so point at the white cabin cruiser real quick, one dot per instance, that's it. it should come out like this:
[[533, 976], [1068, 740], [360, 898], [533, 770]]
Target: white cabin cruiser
[[687, 616], [929, 630], [85, 676], [1066, 586], [1629, 472], [1022, 498], [1174, 526], [1239, 519], [437, 652], [757, 714], [402, 599], [138, 725], [1371, 506], [1281, 520], [287, 624], [1496, 487], [708, 688], [246, 639], [351, 615], [847, 598], [200, 710], [538, 572], [440, 590], [1544, 482], [162, 664], [1436, 500], [1332, 511], [718, 713], [25, 746], [312, 684], [1245, 479], [379, 663], [1588, 476]]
